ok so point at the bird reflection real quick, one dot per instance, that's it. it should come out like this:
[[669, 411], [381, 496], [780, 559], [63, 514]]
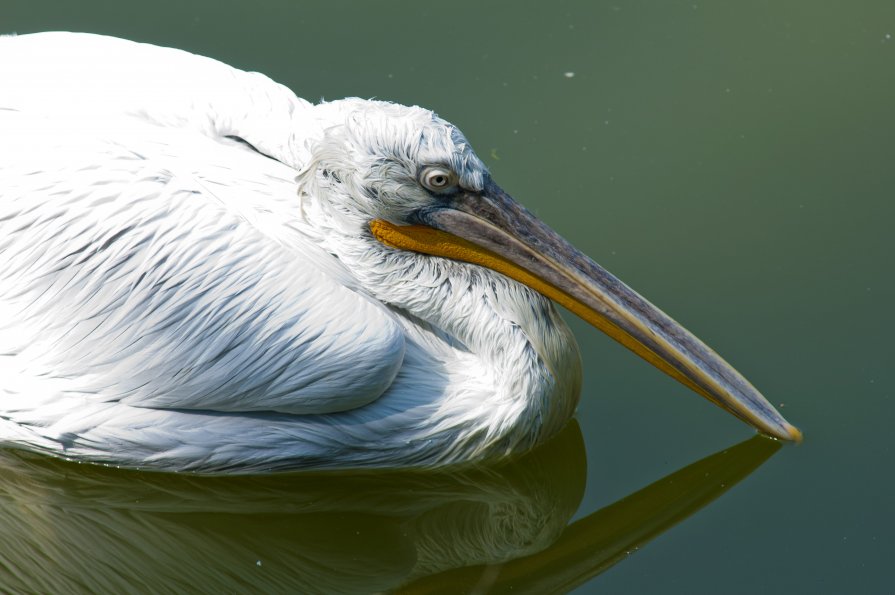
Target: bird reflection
[[66, 527]]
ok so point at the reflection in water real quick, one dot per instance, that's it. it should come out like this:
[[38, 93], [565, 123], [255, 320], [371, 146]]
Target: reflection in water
[[66, 527], [595, 543]]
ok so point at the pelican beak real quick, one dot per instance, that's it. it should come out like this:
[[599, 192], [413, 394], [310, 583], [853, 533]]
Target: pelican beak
[[493, 230]]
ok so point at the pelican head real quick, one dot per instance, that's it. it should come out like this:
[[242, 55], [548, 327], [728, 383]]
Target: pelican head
[[403, 179]]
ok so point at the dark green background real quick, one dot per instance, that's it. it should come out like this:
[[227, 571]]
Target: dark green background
[[732, 161]]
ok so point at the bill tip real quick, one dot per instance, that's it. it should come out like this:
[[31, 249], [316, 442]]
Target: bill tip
[[794, 433], [786, 431]]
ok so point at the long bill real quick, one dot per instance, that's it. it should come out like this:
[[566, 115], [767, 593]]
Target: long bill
[[493, 230]]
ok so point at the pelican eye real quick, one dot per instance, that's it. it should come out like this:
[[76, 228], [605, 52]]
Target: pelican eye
[[438, 179]]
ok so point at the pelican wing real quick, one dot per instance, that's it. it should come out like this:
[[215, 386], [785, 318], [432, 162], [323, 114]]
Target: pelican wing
[[137, 266]]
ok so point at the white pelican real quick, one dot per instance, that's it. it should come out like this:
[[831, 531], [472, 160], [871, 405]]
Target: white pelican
[[200, 271]]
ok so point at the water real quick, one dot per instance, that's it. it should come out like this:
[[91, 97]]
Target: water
[[731, 161]]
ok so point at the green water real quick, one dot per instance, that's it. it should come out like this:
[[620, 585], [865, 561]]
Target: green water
[[732, 161]]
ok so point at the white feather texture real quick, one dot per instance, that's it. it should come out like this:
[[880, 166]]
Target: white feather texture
[[188, 280]]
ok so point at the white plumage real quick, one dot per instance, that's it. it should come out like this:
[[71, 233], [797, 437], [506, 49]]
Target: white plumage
[[201, 271], [188, 280]]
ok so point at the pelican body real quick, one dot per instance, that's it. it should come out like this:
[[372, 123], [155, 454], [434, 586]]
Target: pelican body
[[200, 271]]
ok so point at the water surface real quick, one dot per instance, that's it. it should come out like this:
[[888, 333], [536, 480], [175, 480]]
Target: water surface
[[730, 161]]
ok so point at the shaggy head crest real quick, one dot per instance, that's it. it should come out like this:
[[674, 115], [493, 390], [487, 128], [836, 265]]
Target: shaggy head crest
[[372, 154]]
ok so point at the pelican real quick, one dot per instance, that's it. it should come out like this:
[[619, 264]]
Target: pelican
[[200, 271]]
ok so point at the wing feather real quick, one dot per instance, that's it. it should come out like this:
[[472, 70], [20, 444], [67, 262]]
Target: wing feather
[[135, 267]]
